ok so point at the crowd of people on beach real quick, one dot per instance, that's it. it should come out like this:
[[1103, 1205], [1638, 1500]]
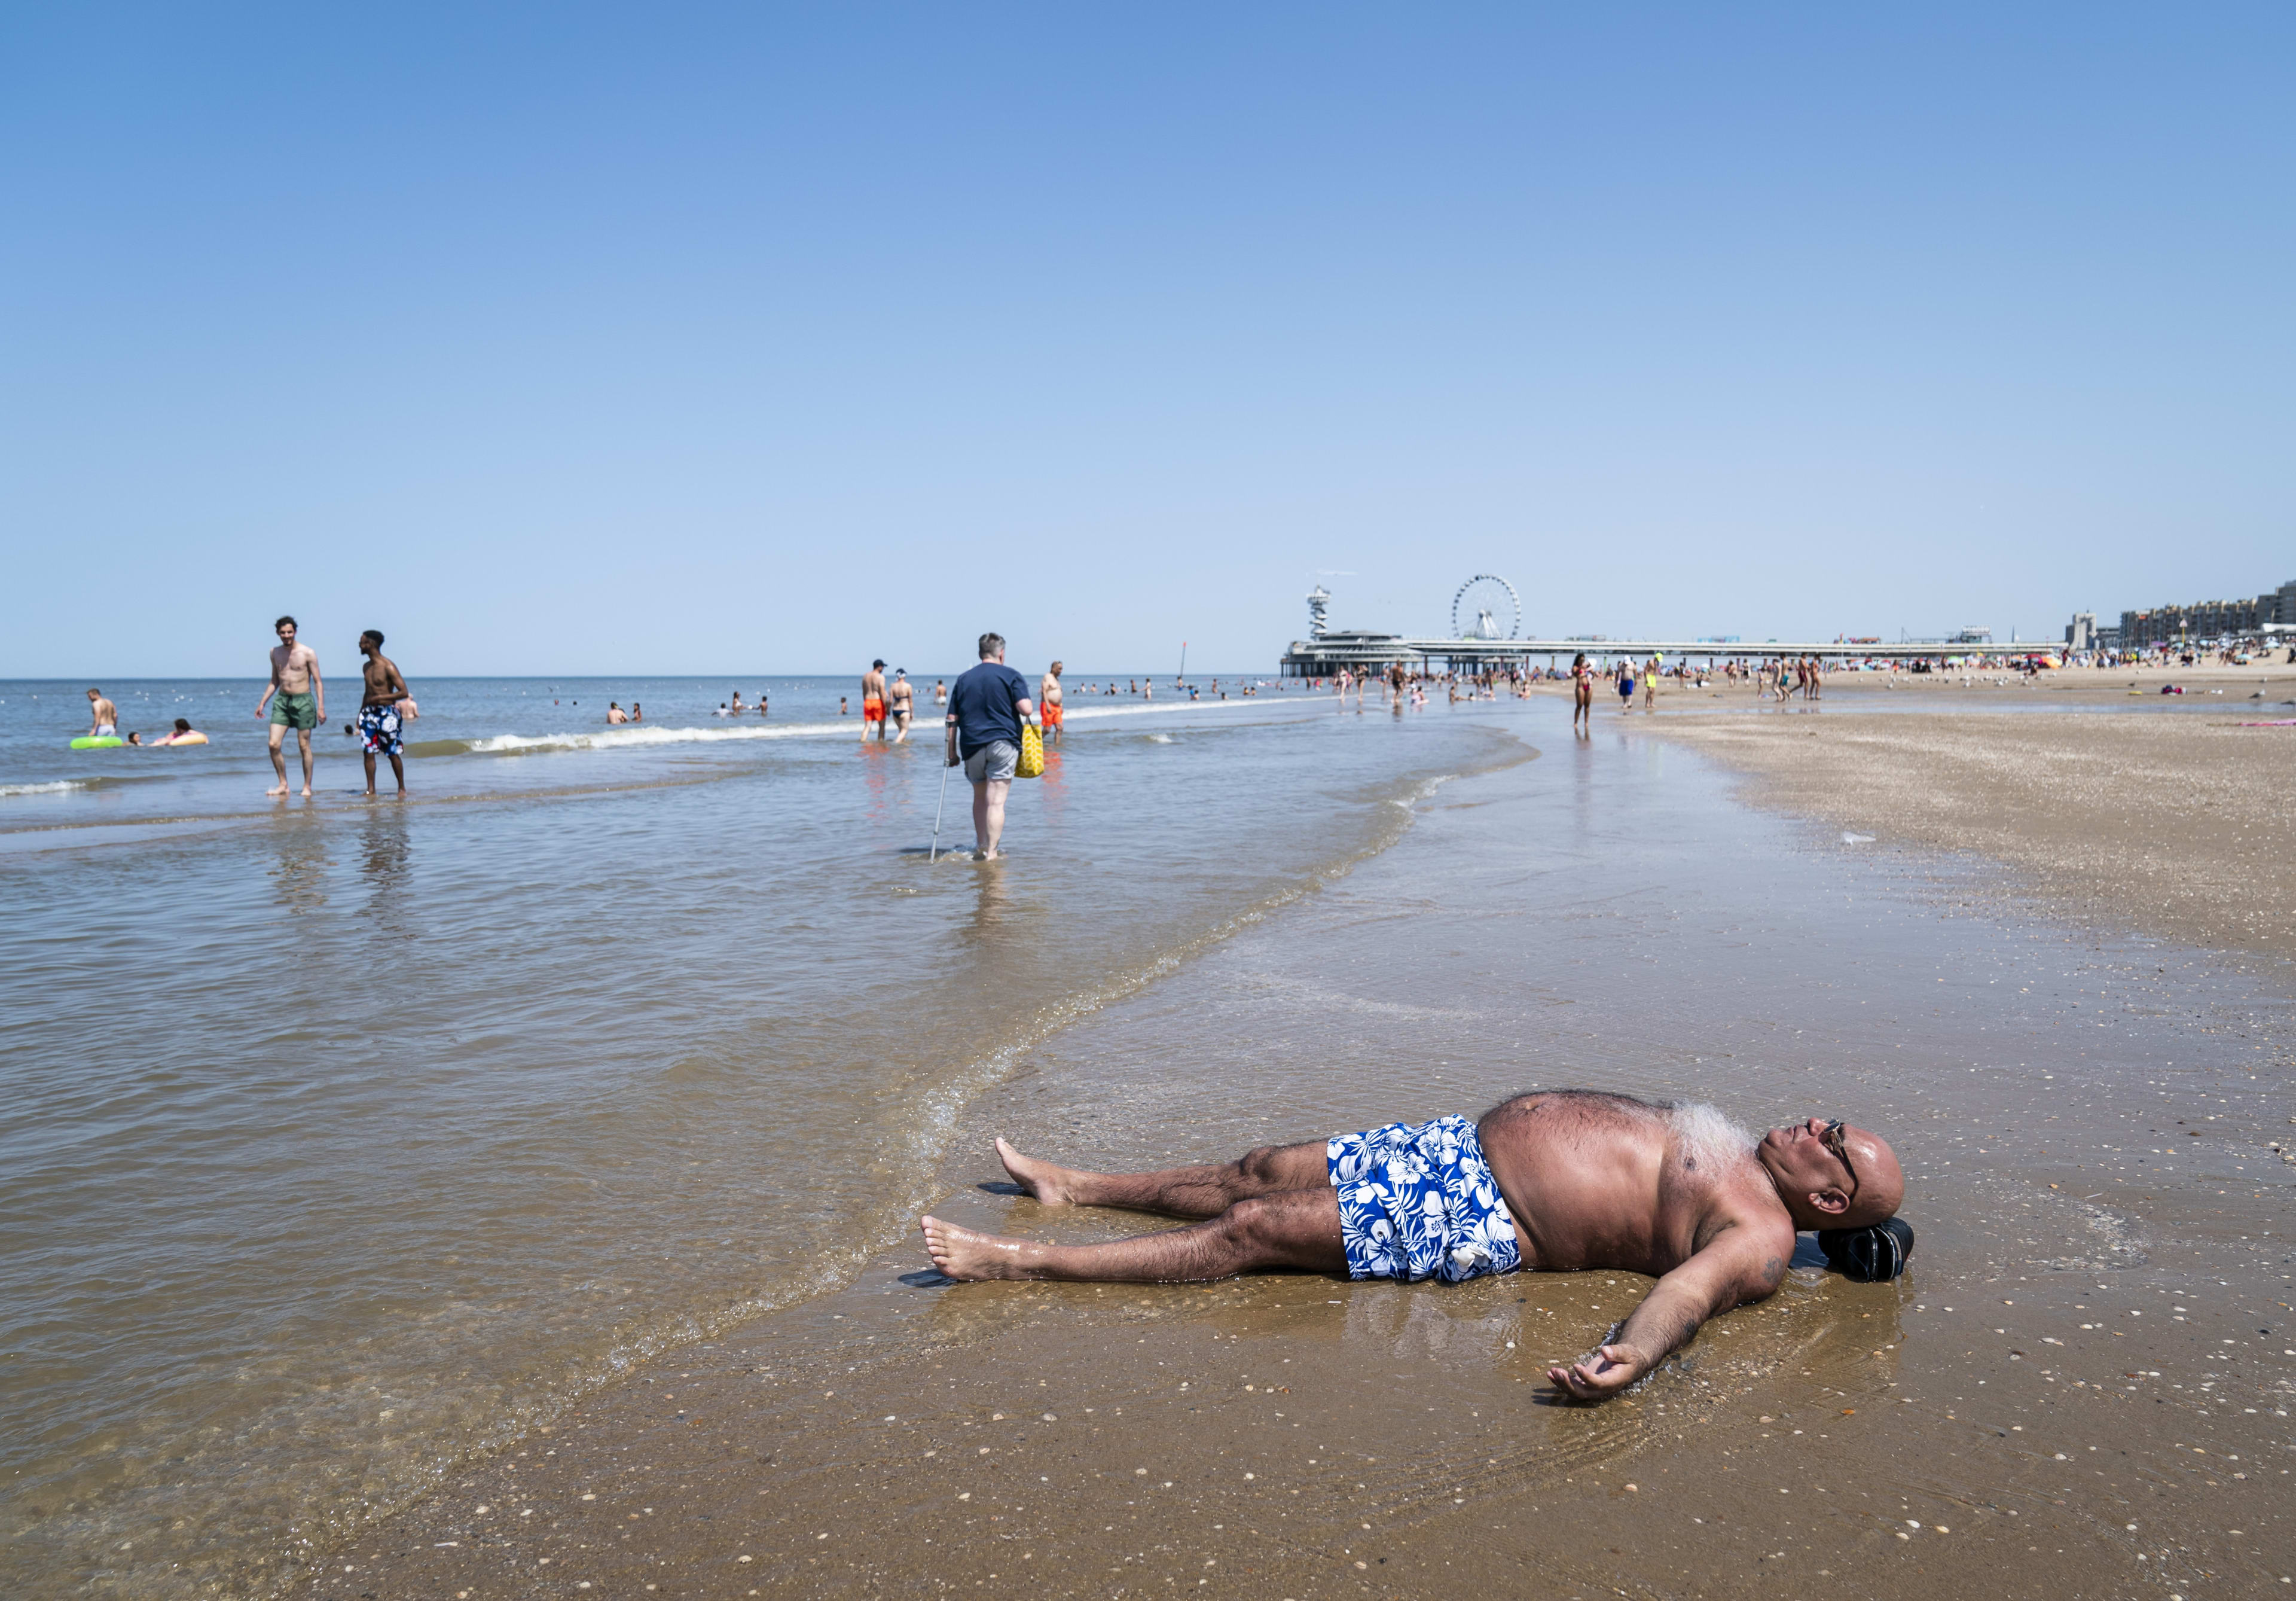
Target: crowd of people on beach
[[294, 697]]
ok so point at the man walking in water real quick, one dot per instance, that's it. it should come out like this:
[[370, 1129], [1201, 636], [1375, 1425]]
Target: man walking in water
[[380, 700], [986, 707], [1554, 1180], [103, 717], [1049, 704], [873, 699], [297, 700]]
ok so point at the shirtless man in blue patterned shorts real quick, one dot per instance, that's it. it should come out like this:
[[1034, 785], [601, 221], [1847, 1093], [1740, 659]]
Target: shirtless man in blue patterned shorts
[[384, 698], [1557, 1180]]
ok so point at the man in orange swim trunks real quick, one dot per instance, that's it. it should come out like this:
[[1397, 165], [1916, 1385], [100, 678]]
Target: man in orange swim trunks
[[873, 701], [1048, 703]]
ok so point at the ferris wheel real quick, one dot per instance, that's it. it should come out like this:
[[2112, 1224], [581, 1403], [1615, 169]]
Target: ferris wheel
[[1486, 607]]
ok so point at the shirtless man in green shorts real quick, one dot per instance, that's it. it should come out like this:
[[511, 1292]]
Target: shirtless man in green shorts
[[297, 698], [1554, 1180]]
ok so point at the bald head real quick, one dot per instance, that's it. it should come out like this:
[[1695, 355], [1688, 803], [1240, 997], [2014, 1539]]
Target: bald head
[[1824, 1186]]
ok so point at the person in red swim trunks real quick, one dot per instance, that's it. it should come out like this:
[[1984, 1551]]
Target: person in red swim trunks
[[1048, 703], [873, 699]]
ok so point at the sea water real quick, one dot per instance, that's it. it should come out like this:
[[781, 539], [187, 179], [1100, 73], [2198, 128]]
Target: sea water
[[350, 1137]]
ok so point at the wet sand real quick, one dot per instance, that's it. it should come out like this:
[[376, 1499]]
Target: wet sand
[[2081, 1388], [2173, 822]]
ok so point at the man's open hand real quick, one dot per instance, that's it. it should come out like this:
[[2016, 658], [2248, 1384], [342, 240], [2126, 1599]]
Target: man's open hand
[[1606, 1373]]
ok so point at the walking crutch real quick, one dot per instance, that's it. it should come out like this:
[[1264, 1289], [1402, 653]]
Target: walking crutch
[[934, 854]]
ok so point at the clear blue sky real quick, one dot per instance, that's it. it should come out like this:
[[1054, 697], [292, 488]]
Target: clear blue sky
[[671, 339]]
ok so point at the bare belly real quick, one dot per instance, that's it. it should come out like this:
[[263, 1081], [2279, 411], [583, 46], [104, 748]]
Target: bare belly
[[1582, 1175]]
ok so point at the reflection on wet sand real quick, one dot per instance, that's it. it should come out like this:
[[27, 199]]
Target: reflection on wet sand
[[385, 849], [299, 863]]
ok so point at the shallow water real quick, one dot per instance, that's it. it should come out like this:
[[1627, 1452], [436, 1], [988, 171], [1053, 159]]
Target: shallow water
[[347, 1137]]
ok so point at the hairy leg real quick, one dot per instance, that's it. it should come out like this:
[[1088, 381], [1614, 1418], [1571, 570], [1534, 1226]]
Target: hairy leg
[[1293, 1228], [1201, 1192]]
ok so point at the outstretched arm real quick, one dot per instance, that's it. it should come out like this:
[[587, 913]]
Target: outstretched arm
[[1737, 1266]]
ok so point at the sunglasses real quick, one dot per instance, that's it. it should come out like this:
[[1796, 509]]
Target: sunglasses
[[1838, 1141]]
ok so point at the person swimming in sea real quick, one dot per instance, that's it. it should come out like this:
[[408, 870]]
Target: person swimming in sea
[[1558, 1181]]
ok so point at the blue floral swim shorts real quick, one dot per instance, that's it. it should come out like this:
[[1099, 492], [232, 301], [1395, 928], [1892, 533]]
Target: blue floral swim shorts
[[1418, 1201], [378, 729]]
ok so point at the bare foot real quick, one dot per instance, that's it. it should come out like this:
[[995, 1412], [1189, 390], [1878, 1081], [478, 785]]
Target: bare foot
[[962, 1253], [280, 791], [307, 791], [1050, 1186]]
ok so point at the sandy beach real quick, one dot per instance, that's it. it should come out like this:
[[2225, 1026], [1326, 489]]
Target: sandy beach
[[2081, 1388], [2172, 822]]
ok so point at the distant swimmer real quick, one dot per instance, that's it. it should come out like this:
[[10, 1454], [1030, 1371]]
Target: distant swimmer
[[638, 712], [873, 699], [1562, 1180], [840, 706], [615, 714], [380, 698], [764, 702], [901, 700], [297, 698], [940, 693], [182, 734], [103, 717], [1582, 694], [985, 713], [1048, 703], [737, 708]]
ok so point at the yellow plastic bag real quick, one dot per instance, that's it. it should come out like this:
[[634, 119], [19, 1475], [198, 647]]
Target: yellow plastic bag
[[1032, 753]]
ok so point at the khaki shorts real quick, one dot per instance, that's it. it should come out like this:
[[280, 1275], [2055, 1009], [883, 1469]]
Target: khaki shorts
[[995, 762]]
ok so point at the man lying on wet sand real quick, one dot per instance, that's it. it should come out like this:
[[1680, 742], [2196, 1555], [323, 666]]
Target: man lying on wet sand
[[1557, 1179]]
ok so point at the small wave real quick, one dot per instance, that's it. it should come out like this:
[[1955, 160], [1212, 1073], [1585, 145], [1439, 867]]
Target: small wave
[[618, 739], [630, 738], [1079, 708], [1161, 739], [55, 787]]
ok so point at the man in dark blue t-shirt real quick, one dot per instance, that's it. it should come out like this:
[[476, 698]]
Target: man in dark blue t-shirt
[[986, 708]]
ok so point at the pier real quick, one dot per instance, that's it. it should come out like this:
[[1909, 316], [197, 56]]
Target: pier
[[1325, 657]]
